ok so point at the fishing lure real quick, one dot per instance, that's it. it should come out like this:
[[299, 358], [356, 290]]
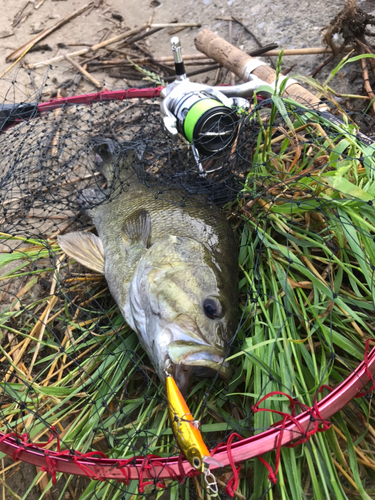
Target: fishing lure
[[188, 435]]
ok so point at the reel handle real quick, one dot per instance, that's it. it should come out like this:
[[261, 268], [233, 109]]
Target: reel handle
[[240, 63]]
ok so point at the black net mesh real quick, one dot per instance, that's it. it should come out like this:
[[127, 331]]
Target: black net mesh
[[298, 189]]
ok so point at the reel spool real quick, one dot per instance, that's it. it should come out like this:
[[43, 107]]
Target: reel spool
[[205, 121]]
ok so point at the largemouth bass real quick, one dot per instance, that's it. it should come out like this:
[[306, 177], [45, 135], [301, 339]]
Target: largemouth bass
[[172, 271]]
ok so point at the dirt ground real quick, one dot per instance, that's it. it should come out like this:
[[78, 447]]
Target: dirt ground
[[290, 23]]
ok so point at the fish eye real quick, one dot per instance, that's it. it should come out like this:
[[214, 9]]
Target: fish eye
[[212, 308], [196, 462]]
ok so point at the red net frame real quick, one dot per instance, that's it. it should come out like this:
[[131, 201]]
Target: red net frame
[[101, 468]]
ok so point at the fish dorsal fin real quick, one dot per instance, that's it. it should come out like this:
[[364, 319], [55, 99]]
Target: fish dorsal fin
[[85, 248], [116, 169], [137, 228]]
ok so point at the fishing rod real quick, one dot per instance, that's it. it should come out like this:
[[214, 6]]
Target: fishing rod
[[204, 115], [207, 116], [249, 69]]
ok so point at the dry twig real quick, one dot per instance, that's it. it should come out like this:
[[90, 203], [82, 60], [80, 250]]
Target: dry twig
[[18, 17], [93, 48], [366, 81], [85, 73], [105, 43]]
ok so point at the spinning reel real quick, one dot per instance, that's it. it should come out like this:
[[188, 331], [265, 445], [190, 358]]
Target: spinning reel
[[206, 116]]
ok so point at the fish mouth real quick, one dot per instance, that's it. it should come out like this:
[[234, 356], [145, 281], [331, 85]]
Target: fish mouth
[[190, 358], [188, 353]]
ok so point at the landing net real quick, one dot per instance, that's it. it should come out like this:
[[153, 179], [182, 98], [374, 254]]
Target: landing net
[[78, 394]]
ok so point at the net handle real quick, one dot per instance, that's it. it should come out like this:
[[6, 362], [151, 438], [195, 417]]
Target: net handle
[[240, 63], [14, 114], [103, 468], [105, 95]]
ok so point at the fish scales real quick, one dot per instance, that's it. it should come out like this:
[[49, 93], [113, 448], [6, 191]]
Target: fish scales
[[197, 220]]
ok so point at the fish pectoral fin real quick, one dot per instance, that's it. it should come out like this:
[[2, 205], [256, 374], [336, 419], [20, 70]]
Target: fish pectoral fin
[[85, 248], [137, 228]]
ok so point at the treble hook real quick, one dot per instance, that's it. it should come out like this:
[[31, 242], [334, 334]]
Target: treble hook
[[211, 483]]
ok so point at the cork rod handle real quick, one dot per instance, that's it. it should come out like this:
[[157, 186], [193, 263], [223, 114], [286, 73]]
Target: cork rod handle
[[235, 60]]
